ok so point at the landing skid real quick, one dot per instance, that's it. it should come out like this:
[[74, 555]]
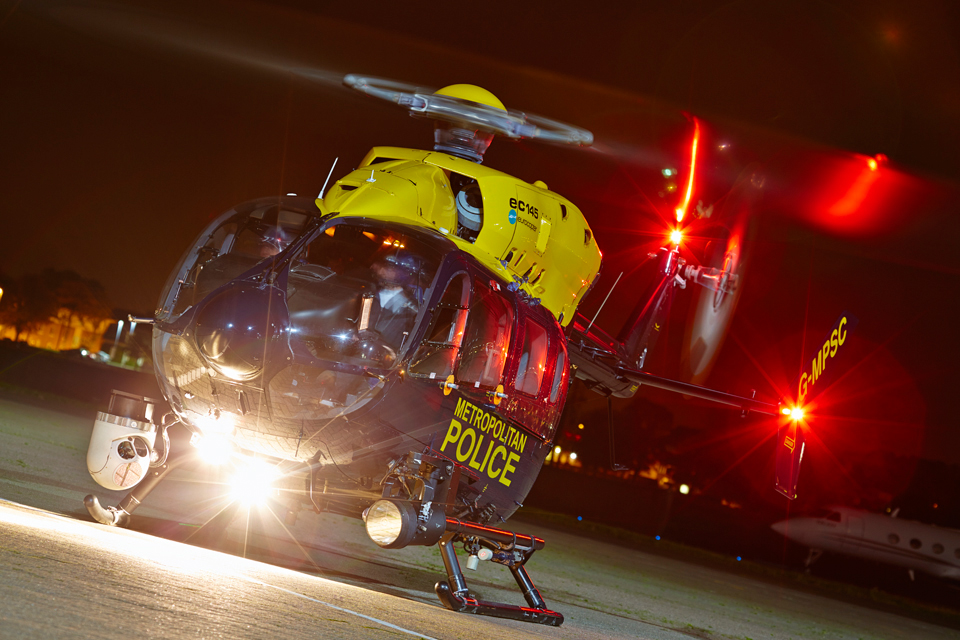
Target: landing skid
[[503, 547], [496, 545]]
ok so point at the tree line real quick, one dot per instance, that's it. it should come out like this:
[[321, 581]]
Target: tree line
[[33, 299]]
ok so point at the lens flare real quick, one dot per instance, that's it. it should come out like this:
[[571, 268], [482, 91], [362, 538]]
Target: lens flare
[[688, 192], [214, 448], [676, 236], [253, 482]]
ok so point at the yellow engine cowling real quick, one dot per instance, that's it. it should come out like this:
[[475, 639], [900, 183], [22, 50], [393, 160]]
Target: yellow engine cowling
[[529, 233]]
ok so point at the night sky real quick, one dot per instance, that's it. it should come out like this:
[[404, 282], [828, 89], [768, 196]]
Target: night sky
[[125, 127]]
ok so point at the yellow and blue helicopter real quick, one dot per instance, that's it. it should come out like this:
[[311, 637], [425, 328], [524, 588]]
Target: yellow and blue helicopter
[[399, 349]]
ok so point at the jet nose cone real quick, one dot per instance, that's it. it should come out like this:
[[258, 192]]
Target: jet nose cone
[[780, 527]]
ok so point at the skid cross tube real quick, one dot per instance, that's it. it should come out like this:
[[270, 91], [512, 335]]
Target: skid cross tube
[[455, 595], [465, 528]]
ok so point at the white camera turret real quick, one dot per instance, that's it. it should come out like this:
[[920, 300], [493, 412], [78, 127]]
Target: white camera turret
[[122, 442]]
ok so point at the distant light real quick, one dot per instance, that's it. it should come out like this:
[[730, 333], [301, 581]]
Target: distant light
[[573, 456], [658, 537], [291, 194], [556, 450], [579, 518], [676, 236], [580, 426], [668, 172], [684, 489], [739, 558], [785, 411]]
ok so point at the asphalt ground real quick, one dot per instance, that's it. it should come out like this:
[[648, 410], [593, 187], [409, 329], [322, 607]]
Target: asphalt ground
[[63, 576]]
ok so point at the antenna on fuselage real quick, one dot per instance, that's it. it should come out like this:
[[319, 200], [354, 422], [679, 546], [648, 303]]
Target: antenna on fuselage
[[604, 302], [330, 173]]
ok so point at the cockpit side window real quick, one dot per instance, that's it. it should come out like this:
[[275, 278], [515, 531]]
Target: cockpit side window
[[355, 292], [242, 243], [533, 358], [233, 244], [558, 375], [487, 339], [267, 232], [437, 355]]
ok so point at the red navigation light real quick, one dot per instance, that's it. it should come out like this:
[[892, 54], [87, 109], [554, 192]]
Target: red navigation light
[[795, 413], [676, 236]]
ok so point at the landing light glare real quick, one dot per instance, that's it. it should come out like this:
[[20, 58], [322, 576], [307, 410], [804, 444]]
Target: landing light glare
[[215, 448], [253, 484]]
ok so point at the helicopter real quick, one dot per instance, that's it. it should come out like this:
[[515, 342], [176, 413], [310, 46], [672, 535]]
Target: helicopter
[[400, 348]]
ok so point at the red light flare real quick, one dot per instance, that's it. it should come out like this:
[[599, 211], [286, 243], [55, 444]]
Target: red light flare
[[688, 192], [871, 417], [852, 195], [851, 201], [754, 436]]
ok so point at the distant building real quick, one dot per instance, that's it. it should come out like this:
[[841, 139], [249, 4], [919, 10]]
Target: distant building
[[63, 332]]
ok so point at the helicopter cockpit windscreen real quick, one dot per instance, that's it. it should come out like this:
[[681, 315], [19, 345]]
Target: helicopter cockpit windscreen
[[355, 292], [234, 243]]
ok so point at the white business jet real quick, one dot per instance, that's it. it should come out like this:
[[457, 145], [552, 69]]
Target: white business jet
[[884, 538]]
